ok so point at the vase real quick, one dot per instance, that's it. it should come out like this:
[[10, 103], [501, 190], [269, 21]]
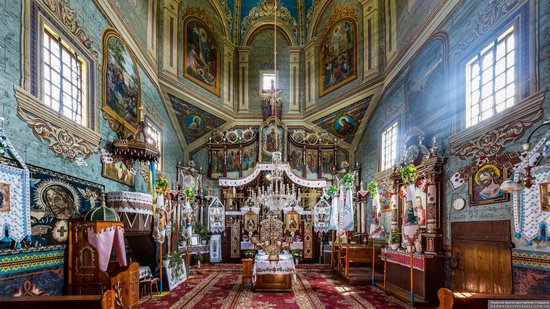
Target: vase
[[418, 246], [394, 246]]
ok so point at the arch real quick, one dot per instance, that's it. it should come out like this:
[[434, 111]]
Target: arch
[[216, 5], [316, 18], [267, 23]]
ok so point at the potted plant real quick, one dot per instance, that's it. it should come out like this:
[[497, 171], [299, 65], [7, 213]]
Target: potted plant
[[297, 254], [203, 232], [394, 240], [249, 253]]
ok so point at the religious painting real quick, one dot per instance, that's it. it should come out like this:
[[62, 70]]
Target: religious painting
[[272, 139], [216, 163], [296, 159], [312, 163], [249, 158], [201, 54], [345, 125], [233, 162], [118, 171], [544, 189], [55, 199], [292, 221], [484, 186], [338, 55], [121, 84], [425, 86], [420, 206], [194, 122], [4, 197], [328, 162], [250, 222]]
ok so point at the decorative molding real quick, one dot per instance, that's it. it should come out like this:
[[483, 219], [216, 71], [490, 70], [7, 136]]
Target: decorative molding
[[28, 106], [63, 143], [486, 19], [265, 8], [67, 15], [153, 113], [489, 138], [195, 11], [338, 14]]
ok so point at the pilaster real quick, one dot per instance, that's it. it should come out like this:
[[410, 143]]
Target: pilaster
[[370, 38], [228, 79], [170, 37], [311, 72], [294, 80], [243, 78]]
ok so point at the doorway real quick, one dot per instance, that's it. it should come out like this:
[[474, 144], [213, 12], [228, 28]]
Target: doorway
[[481, 257]]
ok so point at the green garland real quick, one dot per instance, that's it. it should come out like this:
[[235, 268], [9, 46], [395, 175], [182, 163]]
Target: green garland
[[189, 192], [408, 174], [373, 188], [348, 180], [332, 191]]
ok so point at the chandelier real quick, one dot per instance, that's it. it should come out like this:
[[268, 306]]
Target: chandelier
[[277, 195]]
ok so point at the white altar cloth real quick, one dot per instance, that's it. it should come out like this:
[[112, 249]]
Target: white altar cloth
[[263, 266]]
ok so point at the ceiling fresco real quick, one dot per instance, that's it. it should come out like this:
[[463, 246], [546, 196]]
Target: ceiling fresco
[[344, 122], [193, 121]]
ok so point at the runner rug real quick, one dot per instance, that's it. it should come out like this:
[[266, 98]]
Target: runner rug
[[310, 290]]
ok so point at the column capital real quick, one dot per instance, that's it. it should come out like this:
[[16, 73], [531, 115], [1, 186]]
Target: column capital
[[171, 5], [228, 46], [311, 43]]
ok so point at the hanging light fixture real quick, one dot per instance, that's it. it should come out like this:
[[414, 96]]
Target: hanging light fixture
[[517, 185]]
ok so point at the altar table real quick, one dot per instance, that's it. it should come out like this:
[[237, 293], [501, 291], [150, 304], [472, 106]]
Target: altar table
[[273, 275]]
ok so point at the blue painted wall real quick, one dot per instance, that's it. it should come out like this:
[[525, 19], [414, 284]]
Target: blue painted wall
[[36, 152], [459, 32]]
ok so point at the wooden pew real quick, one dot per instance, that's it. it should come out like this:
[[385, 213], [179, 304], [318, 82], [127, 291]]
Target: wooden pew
[[458, 300], [105, 301]]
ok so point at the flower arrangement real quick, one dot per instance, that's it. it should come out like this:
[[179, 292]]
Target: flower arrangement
[[348, 180], [373, 188], [394, 238], [297, 254], [190, 193], [332, 191], [408, 174], [163, 187]]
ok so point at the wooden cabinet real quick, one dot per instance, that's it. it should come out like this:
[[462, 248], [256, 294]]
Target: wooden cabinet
[[428, 274]]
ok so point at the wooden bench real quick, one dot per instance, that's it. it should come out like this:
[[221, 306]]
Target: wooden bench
[[105, 301], [457, 300]]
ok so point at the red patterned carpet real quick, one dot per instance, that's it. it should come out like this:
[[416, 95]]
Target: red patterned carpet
[[310, 290]]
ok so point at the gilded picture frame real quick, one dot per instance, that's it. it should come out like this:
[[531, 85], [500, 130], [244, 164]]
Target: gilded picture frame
[[120, 87], [198, 31], [544, 191], [5, 196], [332, 33], [292, 221]]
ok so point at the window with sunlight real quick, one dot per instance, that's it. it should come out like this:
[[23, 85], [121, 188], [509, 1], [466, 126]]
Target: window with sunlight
[[154, 136], [63, 87], [490, 79], [389, 147]]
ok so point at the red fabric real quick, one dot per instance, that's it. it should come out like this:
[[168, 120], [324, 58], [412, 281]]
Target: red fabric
[[310, 290]]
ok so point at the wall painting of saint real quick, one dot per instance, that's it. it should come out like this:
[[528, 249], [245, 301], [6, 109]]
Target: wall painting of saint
[[484, 186], [121, 84], [201, 55], [338, 55]]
